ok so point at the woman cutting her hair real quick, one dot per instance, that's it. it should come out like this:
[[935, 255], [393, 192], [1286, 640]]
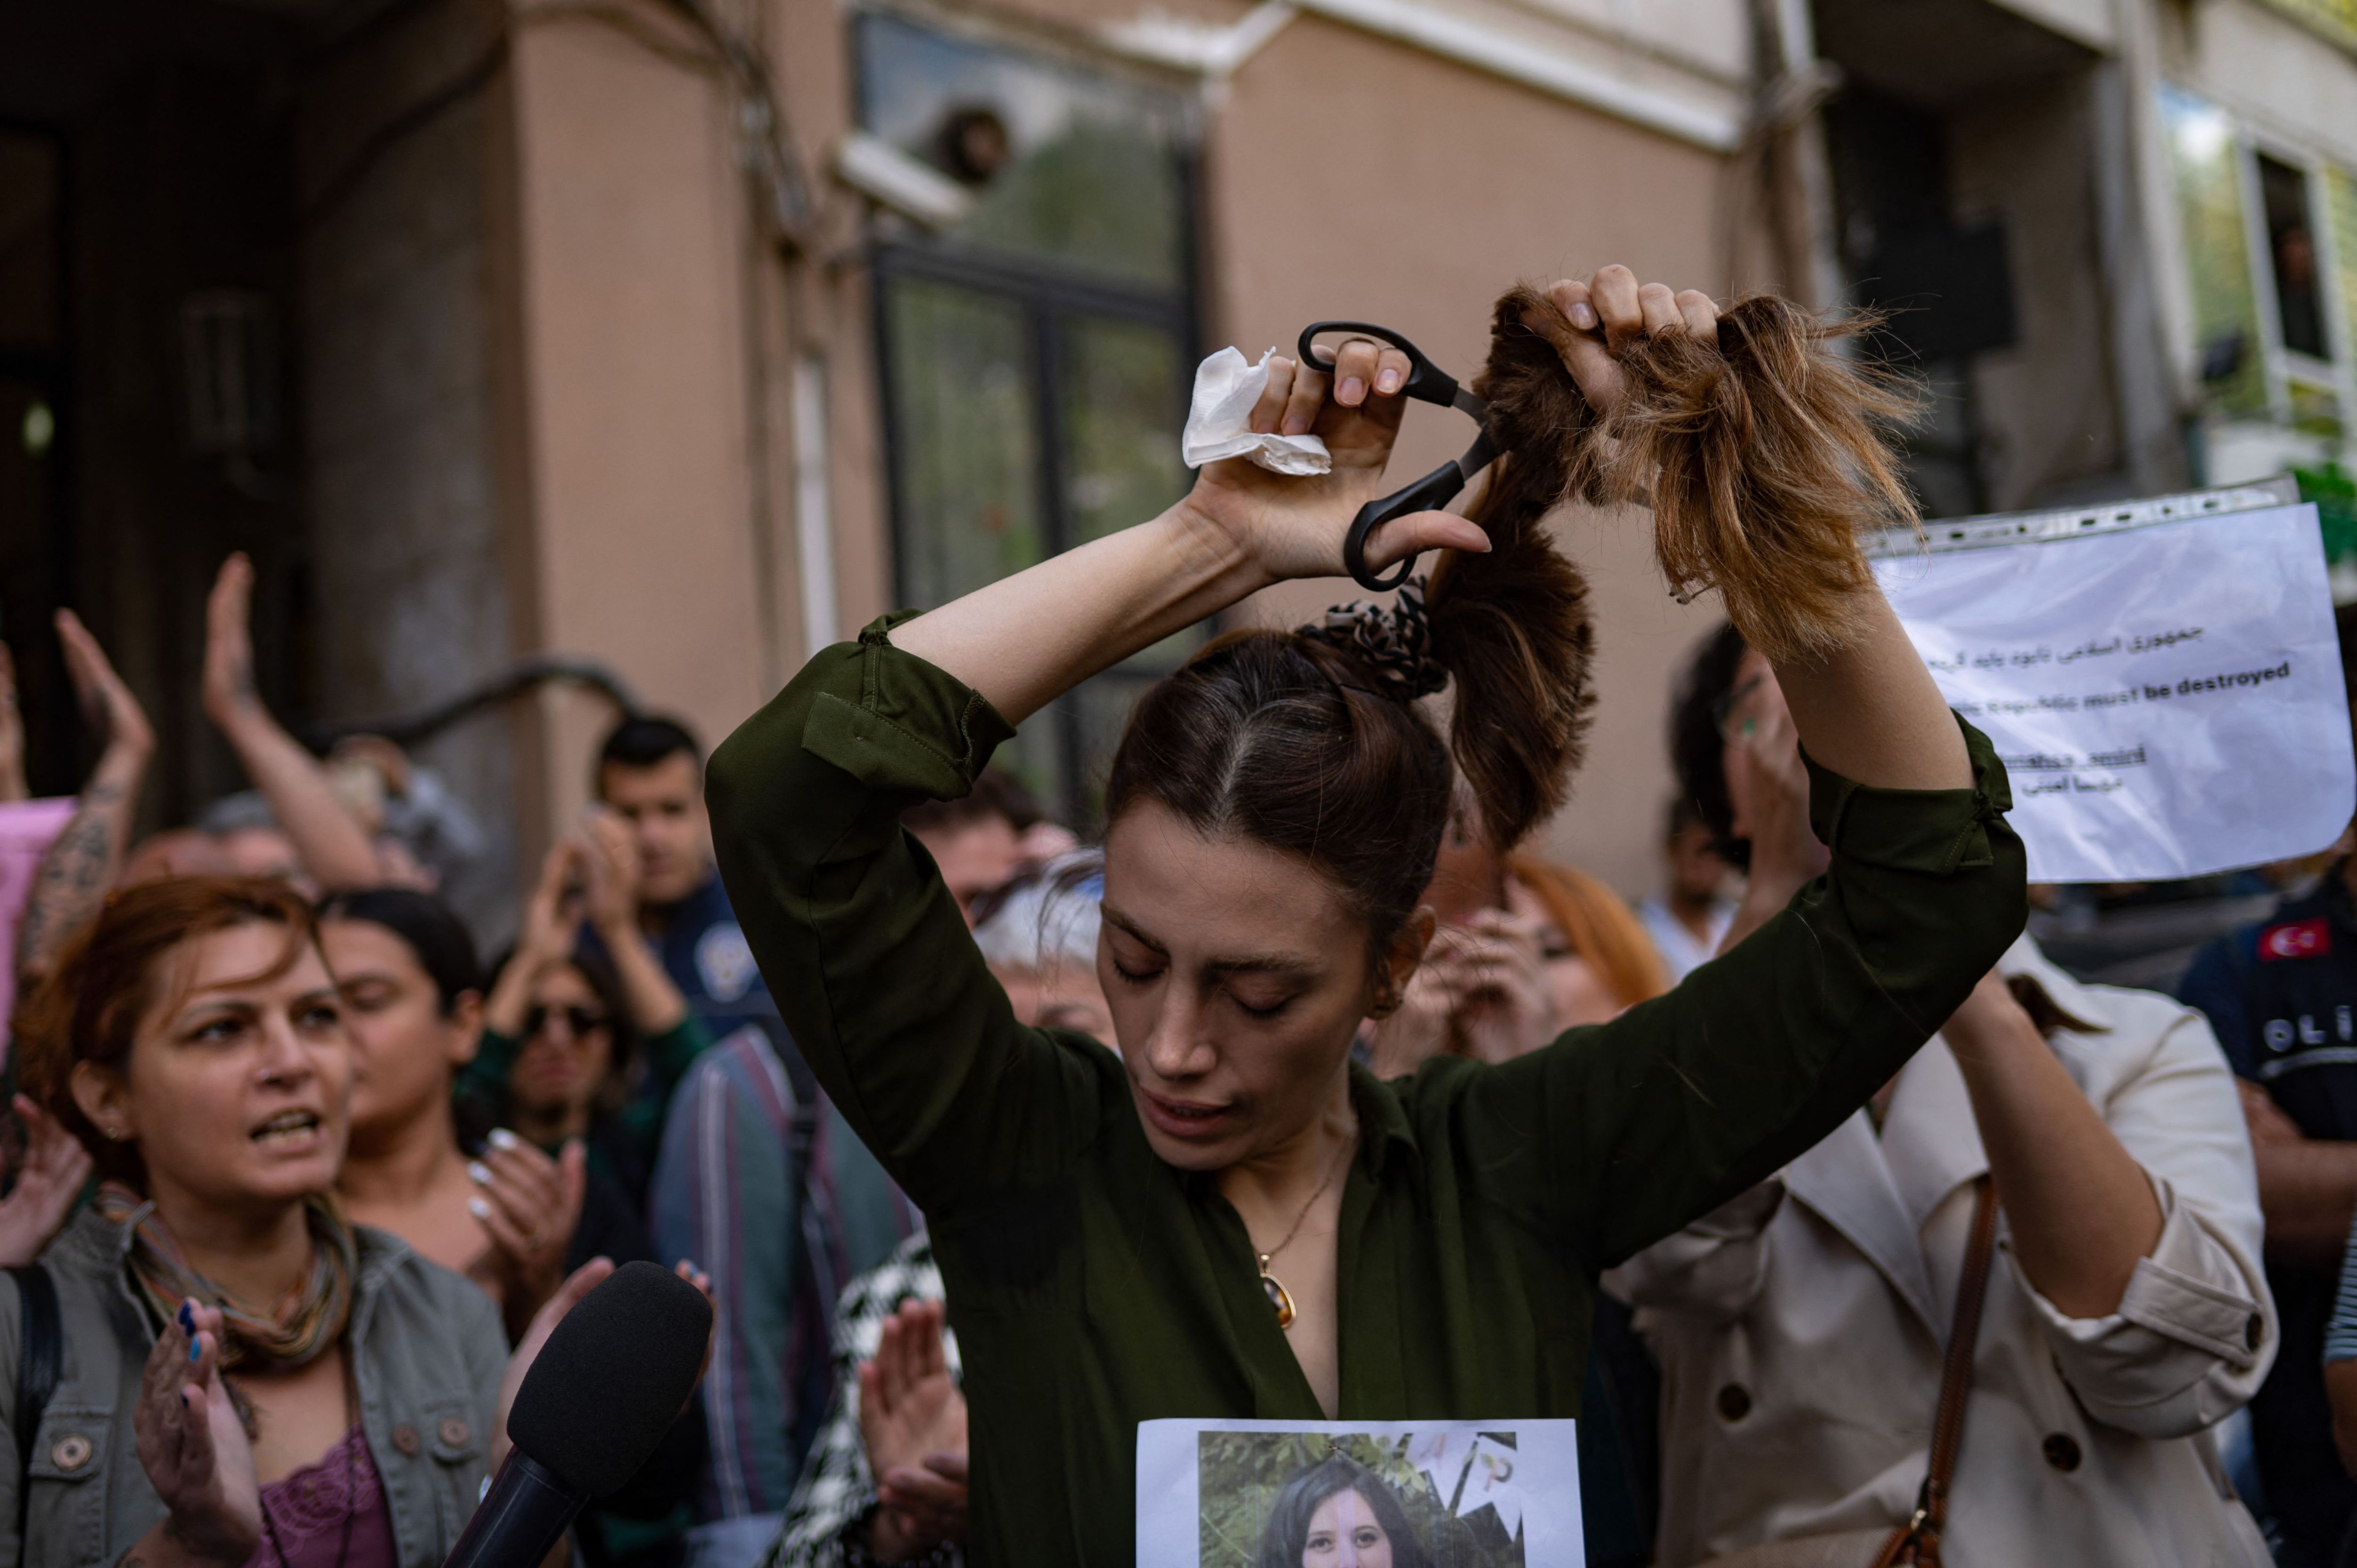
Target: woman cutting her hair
[[1227, 1219]]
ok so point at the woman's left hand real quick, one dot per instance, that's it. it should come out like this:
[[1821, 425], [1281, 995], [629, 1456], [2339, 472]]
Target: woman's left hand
[[194, 1448], [56, 1165], [1292, 526]]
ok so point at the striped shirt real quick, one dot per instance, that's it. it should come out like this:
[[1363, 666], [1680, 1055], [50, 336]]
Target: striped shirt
[[778, 1251]]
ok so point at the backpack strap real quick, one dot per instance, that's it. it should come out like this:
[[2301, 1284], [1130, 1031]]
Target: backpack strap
[[40, 1356]]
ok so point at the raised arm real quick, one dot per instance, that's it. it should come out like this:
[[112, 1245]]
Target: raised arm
[[1651, 1121], [333, 846], [84, 859]]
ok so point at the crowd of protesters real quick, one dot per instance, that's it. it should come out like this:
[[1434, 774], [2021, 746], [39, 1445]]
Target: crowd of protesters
[[309, 1176]]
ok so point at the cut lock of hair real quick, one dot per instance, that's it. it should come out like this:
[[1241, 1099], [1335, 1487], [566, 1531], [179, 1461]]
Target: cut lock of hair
[[1761, 456]]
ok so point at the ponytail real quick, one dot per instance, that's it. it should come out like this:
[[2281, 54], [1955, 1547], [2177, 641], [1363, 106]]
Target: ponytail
[[1761, 454]]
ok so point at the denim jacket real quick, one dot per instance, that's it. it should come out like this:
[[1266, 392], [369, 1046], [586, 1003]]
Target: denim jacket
[[428, 1354]]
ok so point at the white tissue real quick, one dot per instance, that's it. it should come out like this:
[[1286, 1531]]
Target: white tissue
[[1219, 423]]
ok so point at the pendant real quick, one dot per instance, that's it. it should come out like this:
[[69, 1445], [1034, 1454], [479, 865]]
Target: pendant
[[1278, 1296]]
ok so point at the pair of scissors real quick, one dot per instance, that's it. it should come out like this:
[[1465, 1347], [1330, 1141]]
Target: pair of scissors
[[1427, 383]]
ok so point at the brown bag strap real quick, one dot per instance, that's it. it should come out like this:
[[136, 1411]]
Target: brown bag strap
[[1918, 1541]]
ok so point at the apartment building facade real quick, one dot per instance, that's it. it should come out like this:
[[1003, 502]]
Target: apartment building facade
[[682, 337]]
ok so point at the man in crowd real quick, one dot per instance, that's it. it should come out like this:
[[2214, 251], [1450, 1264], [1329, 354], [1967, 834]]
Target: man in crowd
[[650, 775], [2282, 996], [985, 837]]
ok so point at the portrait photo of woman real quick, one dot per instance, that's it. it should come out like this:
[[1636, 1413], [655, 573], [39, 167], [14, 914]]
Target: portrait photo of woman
[[1339, 1514]]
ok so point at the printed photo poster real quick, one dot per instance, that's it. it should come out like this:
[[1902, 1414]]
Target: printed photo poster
[[2167, 698], [1418, 1494]]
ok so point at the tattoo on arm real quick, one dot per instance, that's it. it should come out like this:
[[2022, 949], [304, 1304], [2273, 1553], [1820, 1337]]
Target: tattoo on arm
[[75, 874]]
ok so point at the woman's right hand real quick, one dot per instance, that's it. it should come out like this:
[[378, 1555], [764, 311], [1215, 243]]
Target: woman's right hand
[[1293, 526], [193, 1446]]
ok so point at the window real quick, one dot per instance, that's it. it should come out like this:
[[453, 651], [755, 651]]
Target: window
[[2270, 239], [1037, 357], [2292, 253]]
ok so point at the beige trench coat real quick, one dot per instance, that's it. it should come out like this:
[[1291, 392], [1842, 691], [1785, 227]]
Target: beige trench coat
[[1800, 1329]]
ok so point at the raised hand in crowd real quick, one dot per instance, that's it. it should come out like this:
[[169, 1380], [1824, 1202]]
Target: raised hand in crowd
[[1481, 992], [332, 845], [85, 858], [1495, 967], [529, 1205], [912, 1421], [48, 1179], [2080, 1211]]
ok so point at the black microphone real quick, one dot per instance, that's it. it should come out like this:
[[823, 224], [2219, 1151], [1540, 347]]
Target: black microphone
[[599, 1397]]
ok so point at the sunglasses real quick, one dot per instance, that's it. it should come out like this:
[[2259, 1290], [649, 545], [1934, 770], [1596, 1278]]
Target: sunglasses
[[580, 1020]]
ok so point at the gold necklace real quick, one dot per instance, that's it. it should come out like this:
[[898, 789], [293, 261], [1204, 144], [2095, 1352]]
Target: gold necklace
[[1280, 1299]]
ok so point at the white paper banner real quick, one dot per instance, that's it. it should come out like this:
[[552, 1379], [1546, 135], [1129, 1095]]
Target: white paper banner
[[2167, 697], [1469, 1494]]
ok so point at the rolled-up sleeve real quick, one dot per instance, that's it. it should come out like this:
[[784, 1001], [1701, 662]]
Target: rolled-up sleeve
[[2195, 1331]]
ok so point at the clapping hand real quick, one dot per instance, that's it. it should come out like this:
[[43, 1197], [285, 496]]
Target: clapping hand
[[112, 714], [912, 1420], [51, 1177], [609, 859], [529, 1205], [193, 1444]]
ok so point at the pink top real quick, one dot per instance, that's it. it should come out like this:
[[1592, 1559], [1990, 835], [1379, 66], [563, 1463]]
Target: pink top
[[305, 1512]]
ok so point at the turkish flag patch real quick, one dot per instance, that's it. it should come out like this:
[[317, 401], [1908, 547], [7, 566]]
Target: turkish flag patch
[[2301, 938]]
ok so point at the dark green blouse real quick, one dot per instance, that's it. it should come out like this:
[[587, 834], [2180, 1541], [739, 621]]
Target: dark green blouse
[[1092, 1286]]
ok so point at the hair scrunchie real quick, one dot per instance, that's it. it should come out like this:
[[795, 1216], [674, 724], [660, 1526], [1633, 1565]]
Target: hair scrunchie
[[1394, 641]]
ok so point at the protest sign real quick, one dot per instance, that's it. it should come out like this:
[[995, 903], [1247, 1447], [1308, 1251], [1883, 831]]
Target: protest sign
[[1454, 1494], [2161, 677]]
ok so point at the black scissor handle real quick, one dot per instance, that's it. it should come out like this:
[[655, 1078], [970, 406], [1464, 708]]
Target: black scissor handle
[[1427, 383], [1429, 493]]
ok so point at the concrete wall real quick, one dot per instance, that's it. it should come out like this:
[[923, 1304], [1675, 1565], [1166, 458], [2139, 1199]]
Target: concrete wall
[[2046, 407], [407, 529], [643, 545]]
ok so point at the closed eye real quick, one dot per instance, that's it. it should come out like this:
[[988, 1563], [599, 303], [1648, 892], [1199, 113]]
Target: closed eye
[[1270, 1011], [1134, 977]]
